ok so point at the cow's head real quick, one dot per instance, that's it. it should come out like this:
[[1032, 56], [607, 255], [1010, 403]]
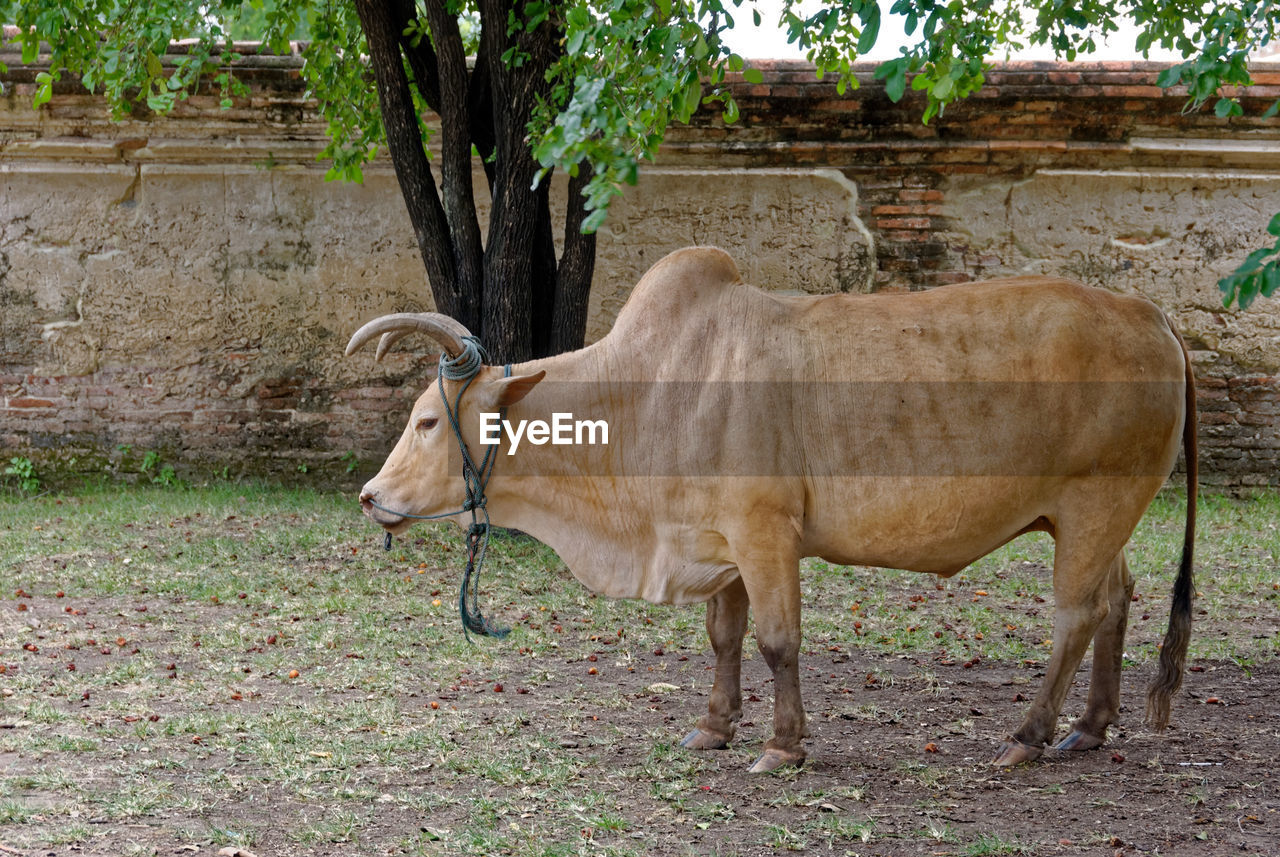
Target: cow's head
[[422, 475]]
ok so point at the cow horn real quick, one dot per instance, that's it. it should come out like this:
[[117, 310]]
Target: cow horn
[[394, 327]]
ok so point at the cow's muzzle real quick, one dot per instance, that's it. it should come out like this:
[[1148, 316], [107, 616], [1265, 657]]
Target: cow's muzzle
[[389, 521]]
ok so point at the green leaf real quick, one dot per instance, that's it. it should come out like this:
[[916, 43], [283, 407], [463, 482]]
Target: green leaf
[[690, 99], [730, 112], [538, 177], [1170, 76], [1227, 107], [753, 75], [830, 20], [896, 86], [1203, 86], [942, 88], [870, 32], [701, 48], [1270, 278], [44, 89], [895, 78], [755, 16], [593, 221], [1247, 290], [578, 18], [1274, 226], [1272, 110]]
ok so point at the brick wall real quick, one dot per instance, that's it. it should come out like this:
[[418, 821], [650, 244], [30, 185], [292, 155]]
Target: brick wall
[[136, 313]]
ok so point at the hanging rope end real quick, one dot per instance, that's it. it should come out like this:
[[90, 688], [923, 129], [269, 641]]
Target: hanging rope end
[[472, 619], [475, 622]]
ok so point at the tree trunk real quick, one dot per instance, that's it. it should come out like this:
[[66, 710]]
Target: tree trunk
[[511, 291], [383, 27]]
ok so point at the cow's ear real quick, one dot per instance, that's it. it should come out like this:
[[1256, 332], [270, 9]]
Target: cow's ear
[[505, 392]]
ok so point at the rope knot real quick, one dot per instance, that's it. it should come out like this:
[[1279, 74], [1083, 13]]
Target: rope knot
[[466, 364]]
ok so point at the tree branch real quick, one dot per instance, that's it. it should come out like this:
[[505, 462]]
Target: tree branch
[[404, 141], [543, 264], [577, 267], [513, 220], [480, 112], [422, 58], [455, 163]]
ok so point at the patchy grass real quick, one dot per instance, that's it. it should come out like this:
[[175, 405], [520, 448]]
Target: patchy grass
[[244, 665]]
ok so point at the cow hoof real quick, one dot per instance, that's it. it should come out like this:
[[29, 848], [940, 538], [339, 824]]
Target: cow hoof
[[1014, 752], [772, 760], [701, 740], [1079, 741]]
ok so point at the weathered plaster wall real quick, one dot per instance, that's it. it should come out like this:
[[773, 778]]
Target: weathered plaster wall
[[1169, 234], [186, 283]]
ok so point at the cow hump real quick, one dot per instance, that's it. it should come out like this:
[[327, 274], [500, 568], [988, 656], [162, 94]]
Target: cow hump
[[681, 279]]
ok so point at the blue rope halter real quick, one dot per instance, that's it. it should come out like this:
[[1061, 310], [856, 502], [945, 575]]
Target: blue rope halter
[[465, 367]]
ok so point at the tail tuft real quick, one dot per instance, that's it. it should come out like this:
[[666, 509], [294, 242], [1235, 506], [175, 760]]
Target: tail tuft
[[1173, 654]]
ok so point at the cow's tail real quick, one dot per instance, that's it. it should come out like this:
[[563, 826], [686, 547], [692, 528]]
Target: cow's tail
[[1173, 652]]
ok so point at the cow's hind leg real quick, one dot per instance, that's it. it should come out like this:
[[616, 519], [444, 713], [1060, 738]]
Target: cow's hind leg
[[1103, 706], [1081, 597], [726, 626]]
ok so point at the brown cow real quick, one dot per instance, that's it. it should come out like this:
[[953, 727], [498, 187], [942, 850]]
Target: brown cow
[[916, 431]]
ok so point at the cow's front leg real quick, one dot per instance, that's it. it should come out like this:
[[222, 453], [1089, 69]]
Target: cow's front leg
[[726, 626], [774, 590]]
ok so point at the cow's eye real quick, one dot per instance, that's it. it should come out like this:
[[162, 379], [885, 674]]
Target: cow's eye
[[427, 423]]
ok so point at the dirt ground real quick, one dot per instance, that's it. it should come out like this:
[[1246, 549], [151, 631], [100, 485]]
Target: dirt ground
[[298, 694], [898, 766], [912, 763]]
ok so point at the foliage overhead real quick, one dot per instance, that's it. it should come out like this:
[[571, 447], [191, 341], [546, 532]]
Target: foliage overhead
[[629, 68]]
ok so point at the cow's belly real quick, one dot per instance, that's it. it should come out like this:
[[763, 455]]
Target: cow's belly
[[928, 524]]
